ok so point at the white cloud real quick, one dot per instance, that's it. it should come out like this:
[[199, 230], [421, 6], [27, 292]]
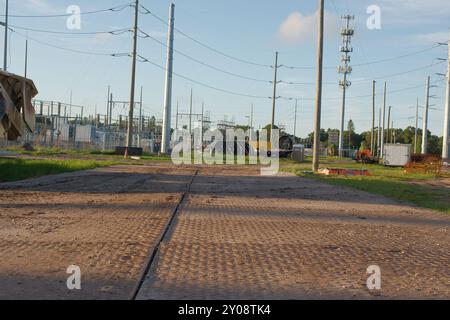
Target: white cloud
[[298, 27]]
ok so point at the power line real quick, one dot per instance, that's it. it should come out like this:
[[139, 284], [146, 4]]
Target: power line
[[143, 59], [146, 35], [113, 32], [369, 80], [113, 9], [70, 50], [362, 96], [147, 11], [375, 61]]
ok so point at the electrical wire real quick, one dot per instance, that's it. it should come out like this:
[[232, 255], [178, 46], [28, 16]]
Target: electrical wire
[[361, 96], [147, 11], [113, 9], [113, 32], [71, 50], [375, 61], [146, 35], [143, 59]]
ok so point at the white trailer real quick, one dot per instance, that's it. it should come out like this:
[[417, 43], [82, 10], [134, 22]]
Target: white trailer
[[397, 155]]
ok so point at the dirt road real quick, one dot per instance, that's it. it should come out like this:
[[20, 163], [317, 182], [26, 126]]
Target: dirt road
[[234, 235]]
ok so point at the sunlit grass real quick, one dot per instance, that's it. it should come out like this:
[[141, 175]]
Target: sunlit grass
[[20, 169], [394, 183]]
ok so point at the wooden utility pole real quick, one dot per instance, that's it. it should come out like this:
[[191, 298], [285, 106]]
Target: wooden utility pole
[[133, 79], [316, 147], [274, 98]]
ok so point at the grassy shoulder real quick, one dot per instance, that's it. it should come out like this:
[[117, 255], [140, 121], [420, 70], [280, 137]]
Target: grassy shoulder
[[83, 154], [393, 183], [20, 169]]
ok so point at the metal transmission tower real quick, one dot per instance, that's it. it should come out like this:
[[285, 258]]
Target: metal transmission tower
[[345, 69], [445, 147], [165, 143]]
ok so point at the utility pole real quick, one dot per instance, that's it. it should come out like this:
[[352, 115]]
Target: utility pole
[[425, 118], [26, 58], [295, 120], [372, 145], [111, 104], [107, 108], [383, 120], [389, 126], [5, 52], [190, 115], [176, 121], [416, 131], [274, 98], [251, 118], [345, 69], [167, 117], [392, 132], [316, 147], [133, 80], [379, 134], [140, 119], [201, 127], [445, 147]]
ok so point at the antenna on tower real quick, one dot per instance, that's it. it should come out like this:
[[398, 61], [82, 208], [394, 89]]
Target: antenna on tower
[[345, 69]]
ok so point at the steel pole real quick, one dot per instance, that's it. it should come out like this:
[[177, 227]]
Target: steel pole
[[133, 79], [316, 147], [341, 134], [274, 98], [5, 52], [425, 118], [383, 121], [372, 144], [446, 147], [165, 142], [416, 131]]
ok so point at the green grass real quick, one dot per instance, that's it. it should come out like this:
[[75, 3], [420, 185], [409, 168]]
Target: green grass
[[19, 169], [393, 183], [108, 155]]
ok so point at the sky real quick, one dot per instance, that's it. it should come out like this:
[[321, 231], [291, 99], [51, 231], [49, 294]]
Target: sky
[[243, 36]]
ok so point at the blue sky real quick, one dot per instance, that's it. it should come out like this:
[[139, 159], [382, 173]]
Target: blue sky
[[250, 30]]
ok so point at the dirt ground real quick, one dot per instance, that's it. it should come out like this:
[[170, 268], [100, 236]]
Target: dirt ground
[[234, 235]]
